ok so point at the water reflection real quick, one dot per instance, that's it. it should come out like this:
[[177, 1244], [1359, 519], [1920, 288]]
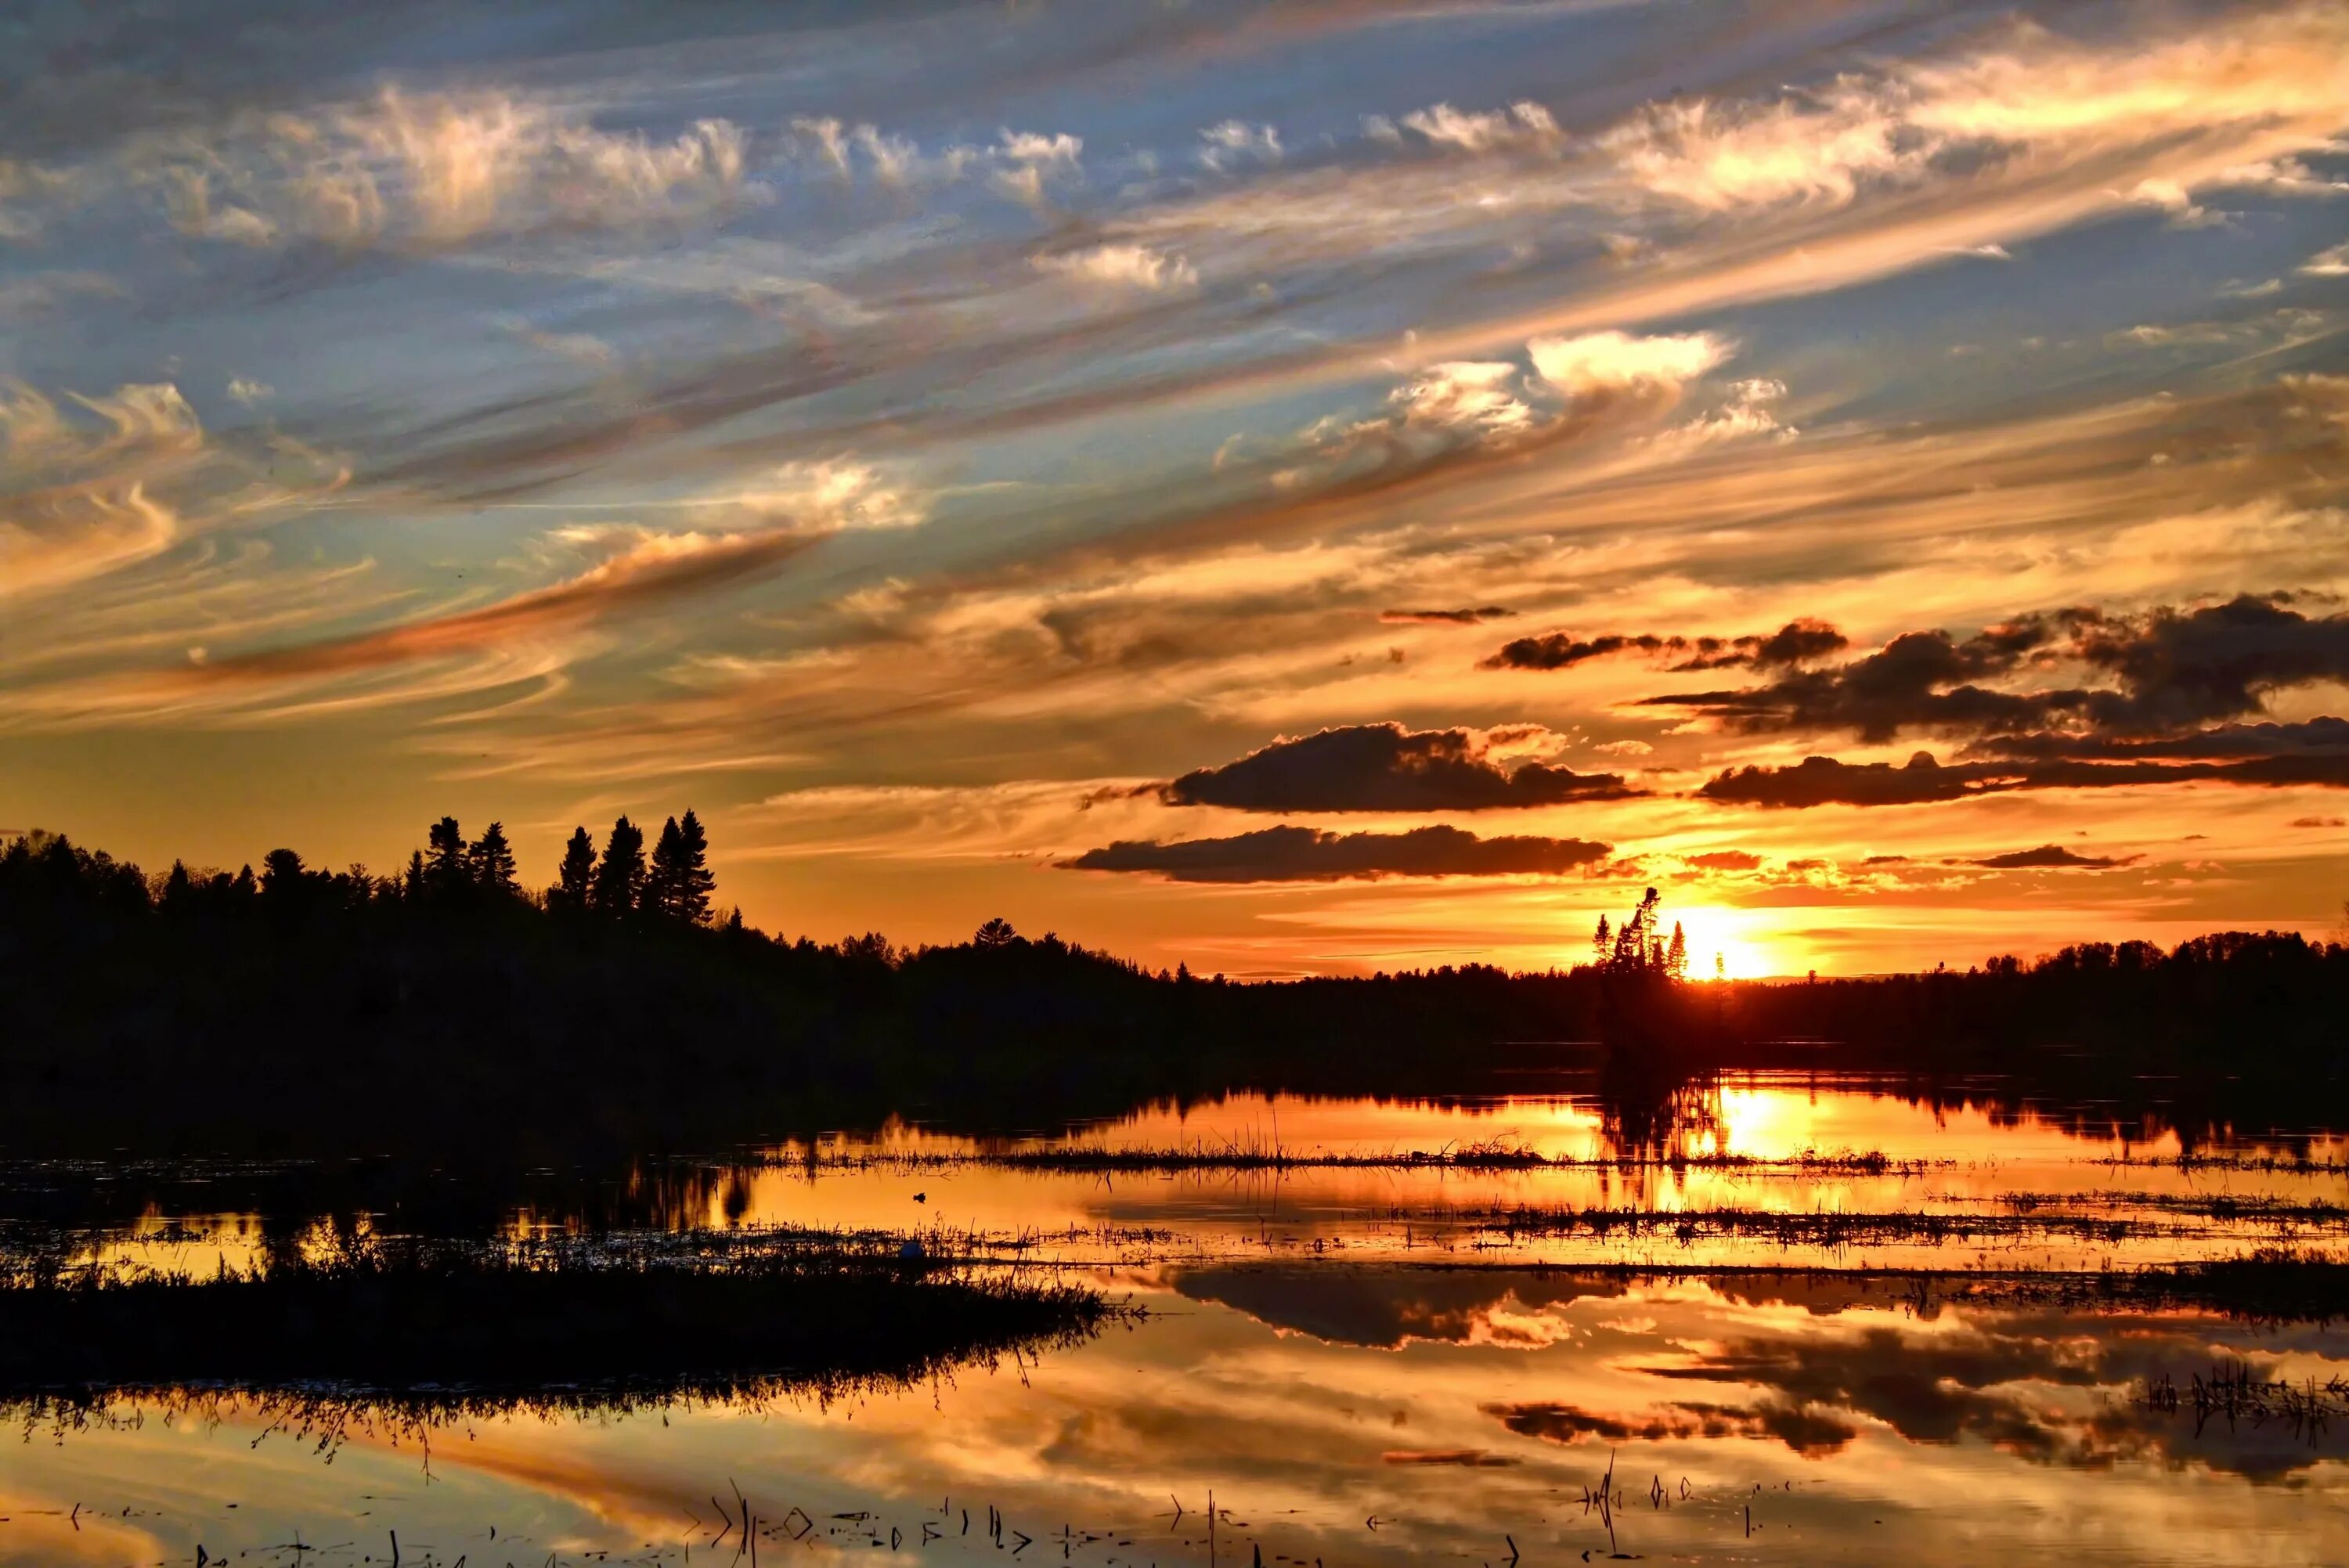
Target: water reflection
[[1345, 1414], [1734, 1171]]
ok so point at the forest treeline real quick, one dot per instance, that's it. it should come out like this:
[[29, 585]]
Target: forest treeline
[[448, 1002]]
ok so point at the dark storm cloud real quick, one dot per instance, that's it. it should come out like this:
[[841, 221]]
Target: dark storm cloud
[[2222, 740], [1795, 643], [2180, 668], [1824, 780], [2175, 669], [1386, 768], [1920, 680], [1445, 618], [1305, 854], [2050, 857]]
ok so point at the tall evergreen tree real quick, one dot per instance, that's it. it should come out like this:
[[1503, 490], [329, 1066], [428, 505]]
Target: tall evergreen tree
[[693, 883], [452, 865], [1602, 943], [492, 860], [576, 874], [1636, 944], [660, 882], [1676, 956], [680, 883], [619, 884]]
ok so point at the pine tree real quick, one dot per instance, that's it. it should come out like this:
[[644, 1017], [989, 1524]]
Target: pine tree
[[493, 861], [452, 866], [576, 873], [619, 884], [1676, 956], [669, 861], [1635, 948], [682, 869], [411, 880], [1602, 944]]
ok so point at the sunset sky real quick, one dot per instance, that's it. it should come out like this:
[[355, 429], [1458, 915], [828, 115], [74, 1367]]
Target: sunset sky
[[1309, 487]]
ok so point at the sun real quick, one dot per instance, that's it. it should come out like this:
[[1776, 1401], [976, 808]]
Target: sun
[[1740, 939]]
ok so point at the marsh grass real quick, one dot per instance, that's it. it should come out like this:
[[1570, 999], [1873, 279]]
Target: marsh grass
[[472, 1323]]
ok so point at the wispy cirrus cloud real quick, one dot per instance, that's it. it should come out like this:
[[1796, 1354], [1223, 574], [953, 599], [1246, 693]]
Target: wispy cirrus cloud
[[433, 171]]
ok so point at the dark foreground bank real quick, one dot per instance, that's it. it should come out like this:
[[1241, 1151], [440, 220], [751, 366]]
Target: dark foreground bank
[[299, 1009], [712, 1319]]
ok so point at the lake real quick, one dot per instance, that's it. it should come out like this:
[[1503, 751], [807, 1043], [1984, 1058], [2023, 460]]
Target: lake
[[1803, 1320]]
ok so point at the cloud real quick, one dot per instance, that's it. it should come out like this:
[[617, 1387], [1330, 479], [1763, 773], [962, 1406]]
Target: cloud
[[1724, 860], [1597, 363], [1825, 781], [2049, 856], [33, 296], [1234, 141], [894, 162], [2173, 669], [438, 169], [2034, 95], [1130, 266], [1386, 768], [1305, 854], [1027, 159], [1795, 643], [635, 569], [647, 571], [1056, 149], [1521, 125], [2333, 263], [1445, 618], [1805, 1431], [2282, 177], [2320, 822], [101, 483]]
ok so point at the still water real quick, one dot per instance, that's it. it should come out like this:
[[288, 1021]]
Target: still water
[[1360, 1360]]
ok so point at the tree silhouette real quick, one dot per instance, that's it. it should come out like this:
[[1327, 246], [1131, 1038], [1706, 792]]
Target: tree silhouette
[[492, 860], [1676, 954], [680, 883], [1637, 948], [694, 881], [996, 932], [1602, 944], [576, 874], [619, 884], [280, 875], [450, 869]]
